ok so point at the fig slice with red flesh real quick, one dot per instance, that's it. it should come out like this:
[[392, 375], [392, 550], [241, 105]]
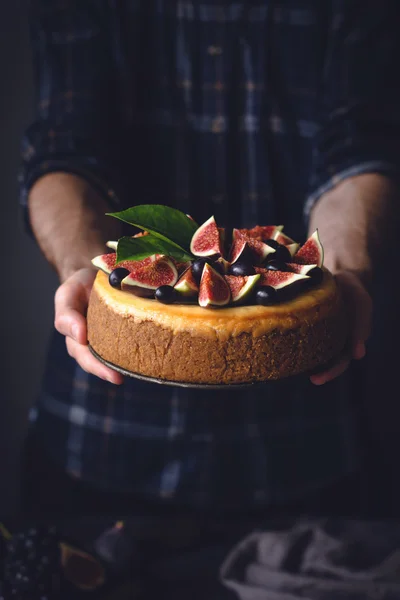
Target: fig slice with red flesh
[[301, 269], [311, 252], [262, 232], [214, 290], [207, 239], [186, 284], [181, 267], [287, 241], [241, 241], [145, 279], [241, 287], [282, 238], [278, 279], [107, 262], [113, 244]]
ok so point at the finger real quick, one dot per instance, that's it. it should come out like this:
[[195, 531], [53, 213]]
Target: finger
[[90, 364], [70, 308], [338, 369]]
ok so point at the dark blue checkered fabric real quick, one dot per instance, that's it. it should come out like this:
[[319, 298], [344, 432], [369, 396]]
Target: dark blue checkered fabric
[[245, 110]]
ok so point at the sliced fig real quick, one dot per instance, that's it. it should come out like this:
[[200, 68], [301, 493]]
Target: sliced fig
[[311, 252], [81, 569], [186, 284], [282, 238], [107, 262], [206, 240], [241, 241], [293, 248], [278, 279], [239, 248], [145, 279], [300, 269], [180, 266], [214, 290], [262, 232], [222, 265], [241, 287], [112, 244]]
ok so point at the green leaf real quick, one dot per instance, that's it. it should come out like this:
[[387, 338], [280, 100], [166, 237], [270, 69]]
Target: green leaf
[[130, 248], [162, 221]]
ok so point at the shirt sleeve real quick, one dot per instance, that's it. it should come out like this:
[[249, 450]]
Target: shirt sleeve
[[359, 96], [76, 126]]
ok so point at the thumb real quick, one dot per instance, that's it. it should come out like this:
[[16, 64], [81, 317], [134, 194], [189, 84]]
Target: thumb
[[70, 303]]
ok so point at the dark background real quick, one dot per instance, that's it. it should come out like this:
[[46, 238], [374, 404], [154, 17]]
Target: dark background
[[28, 285]]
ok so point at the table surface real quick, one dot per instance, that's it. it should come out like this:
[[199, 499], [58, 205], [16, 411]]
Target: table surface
[[179, 558]]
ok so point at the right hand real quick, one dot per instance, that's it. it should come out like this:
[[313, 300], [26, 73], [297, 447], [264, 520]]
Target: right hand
[[71, 302]]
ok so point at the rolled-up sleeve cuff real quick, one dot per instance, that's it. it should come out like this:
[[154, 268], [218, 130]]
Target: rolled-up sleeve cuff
[[360, 168], [90, 172]]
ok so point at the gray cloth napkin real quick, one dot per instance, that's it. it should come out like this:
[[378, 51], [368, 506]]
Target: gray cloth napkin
[[317, 560]]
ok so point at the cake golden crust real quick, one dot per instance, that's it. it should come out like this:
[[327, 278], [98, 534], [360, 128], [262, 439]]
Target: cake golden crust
[[190, 344]]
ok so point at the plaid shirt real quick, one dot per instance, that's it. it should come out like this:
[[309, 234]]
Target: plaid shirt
[[245, 110]]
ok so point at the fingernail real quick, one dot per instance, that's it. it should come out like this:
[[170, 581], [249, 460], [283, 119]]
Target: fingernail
[[75, 332]]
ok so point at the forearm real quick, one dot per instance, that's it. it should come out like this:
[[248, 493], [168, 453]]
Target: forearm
[[356, 222], [68, 220]]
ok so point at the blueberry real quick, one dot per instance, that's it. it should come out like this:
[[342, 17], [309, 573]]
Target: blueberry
[[197, 268], [316, 274], [266, 295], [282, 254], [273, 244], [247, 255], [166, 294], [116, 276], [277, 265], [241, 269], [218, 267]]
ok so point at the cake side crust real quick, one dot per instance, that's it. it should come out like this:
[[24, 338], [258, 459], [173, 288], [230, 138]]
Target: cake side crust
[[149, 348]]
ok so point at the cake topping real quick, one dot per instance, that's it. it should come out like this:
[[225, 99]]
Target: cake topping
[[166, 294], [241, 268], [214, 289], [145, 279], [311, 252], [116, 276], [187, 284], [279, 265], [208, 240], [241, 242], [206, 263], [241, 287], [266, 295], [278, 279]]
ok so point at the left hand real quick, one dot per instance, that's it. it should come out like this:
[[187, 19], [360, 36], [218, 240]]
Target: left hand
[[359, 304]]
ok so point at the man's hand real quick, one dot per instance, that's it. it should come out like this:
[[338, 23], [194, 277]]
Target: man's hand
[[350, 219], [71, 302], [359, 305], [68, 219]]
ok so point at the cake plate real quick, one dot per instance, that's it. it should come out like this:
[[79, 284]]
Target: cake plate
[[197, 386]]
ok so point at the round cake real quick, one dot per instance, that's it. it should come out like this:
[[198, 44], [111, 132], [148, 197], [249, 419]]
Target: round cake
[[257, 307]]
